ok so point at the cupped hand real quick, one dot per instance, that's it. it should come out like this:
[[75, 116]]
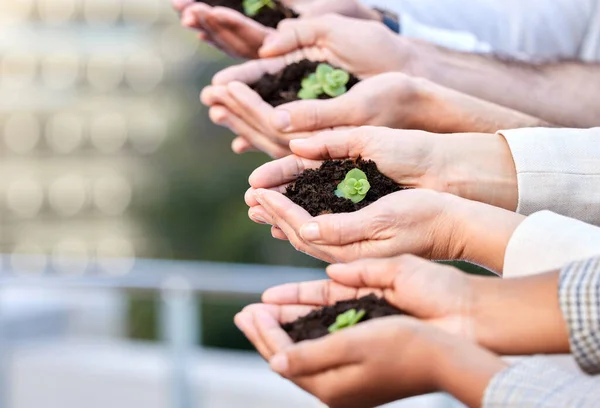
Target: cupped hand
[[365, 48], [474, 166], [410, 221], [438, 294], [422, 222], [375, 362], [393, 100], [240, 36], [224, 28]]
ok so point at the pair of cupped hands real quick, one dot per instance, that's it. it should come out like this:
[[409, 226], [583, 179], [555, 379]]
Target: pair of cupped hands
[[460, 208]]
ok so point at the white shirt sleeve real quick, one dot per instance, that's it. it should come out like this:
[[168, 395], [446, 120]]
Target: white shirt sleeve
[[540, 28], [546, 241], [557, 170]]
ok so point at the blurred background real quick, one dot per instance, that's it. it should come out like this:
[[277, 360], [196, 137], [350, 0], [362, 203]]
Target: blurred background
[[124, 241]]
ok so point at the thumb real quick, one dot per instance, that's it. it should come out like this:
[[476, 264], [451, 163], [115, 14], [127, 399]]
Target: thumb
[[311, 115], [292, 35], [338, 229], [336, 144]]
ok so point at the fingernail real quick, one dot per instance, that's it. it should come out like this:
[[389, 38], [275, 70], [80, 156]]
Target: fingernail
[[258, 219], [258, 196], [279, 363], [282, 120], [310, 231], [242, 321]]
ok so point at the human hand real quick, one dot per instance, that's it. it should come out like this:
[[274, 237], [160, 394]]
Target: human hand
[[421, 222], [375, 362], [240, 36], [365, 48], [491, 312], [474, 166], [393, 100]]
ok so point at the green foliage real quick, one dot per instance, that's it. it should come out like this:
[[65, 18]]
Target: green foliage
[[348, 319], [354, 187], [326, 80], [253, 7]]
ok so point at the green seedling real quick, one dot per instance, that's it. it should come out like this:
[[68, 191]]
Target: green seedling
[[253, 7], [354, 187], [348, 319], [326, 80]]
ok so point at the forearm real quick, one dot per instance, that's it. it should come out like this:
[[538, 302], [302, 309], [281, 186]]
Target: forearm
[[545, 91], [505, 309]]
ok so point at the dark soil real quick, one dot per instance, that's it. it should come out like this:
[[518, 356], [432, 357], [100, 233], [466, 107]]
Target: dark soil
[[282, 87], [266, 16], [316, 323], [314, 190]]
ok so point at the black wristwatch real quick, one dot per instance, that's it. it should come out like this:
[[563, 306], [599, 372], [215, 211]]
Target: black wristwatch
[[391, 20]]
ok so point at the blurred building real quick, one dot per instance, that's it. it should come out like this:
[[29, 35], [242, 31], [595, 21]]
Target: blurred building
[[89, 92]]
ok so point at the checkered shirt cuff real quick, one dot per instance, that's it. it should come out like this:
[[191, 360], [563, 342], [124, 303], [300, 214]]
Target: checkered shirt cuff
[[579, 295]]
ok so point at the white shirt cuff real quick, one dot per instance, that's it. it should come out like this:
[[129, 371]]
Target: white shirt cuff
[[546, 241], [557, 170]]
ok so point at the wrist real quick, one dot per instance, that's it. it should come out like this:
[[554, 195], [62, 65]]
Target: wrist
[[480, 232], [504, 309], [465, 370], [479, 167]]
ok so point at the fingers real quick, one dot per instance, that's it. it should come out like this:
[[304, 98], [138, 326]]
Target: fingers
[[234, 33], [375, 273], [288, 217], [283, 314], [278, 234], [239, 145], [274, 338], [313, 357], [336, 144], [312, 115], [316, 293], [250, 198], [295, 34], [224, 117], [259, 215], [249, 72], [280, 172], [330, 229]]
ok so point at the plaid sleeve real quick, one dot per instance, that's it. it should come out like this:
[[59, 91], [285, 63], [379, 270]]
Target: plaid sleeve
[[579, 295], [535, 382]]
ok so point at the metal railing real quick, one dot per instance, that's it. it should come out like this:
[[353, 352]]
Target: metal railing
[[179, 284]]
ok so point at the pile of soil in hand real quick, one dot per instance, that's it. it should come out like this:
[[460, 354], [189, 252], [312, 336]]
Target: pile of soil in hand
[[282, 87], [266, 16], [314, 190], [316, 323]]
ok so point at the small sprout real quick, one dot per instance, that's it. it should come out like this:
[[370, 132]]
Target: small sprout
[[354, 187], [326, 80], [253, 7], [348, 319]]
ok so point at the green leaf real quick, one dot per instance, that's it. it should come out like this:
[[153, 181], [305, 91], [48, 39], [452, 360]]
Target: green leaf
[[354, 187], [307, 94], [363, 187], [334, 92], [356, 174], [253, 7], [325, 79], [323, 70], [347, 319]]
